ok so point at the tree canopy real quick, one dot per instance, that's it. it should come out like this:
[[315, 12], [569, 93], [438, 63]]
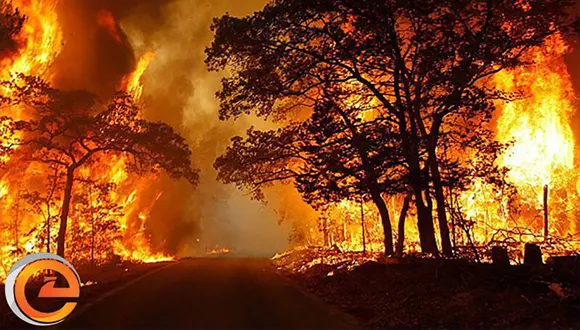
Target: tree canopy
[[422, 65], [69, 130]]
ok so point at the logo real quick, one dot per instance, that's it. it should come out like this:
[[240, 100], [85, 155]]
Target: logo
[[27, 268]]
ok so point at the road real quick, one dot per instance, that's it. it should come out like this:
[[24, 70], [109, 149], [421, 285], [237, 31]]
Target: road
[[209, 294]]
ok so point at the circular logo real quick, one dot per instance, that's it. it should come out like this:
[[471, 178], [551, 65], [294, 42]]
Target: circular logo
[[28, 267]]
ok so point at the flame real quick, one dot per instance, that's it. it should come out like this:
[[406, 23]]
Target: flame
[[134, 82], [541, 154], [539, 125], [135, 244], [40, 39], [40, 42]]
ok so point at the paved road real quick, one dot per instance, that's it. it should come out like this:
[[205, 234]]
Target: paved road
[[209, 294]]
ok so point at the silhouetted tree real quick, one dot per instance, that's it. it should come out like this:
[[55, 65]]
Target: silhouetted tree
[[69, 130], [334, 155], [422, 62]]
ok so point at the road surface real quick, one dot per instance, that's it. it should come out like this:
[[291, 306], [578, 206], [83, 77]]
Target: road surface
[[209, 294]]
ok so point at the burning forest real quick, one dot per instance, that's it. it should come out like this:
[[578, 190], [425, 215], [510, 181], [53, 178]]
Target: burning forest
[[67, 155], [374, 134], [344, 137]]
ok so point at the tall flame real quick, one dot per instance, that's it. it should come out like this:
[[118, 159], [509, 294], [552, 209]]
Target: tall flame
[[40, 42], [540, 158], [134, 82], [539, 125], [541, 152]]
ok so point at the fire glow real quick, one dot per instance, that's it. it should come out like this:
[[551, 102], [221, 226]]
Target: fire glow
[[23, 230], [541, 159]]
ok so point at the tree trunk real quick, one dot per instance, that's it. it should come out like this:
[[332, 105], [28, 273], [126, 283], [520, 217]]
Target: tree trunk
[[48, 212], [385, 220], [65, 211], [546, 221], [362, 220], [425, 224], [325, 232], [419, 185], [441, 209], [402, 219], [48, 233]]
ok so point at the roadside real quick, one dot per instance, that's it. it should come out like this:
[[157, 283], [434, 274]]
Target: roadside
[[437, 294]]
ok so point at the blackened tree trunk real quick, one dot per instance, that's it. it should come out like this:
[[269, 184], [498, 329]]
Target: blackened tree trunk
[[441, 210], [438, 187], [402, 220], [65, 211], [385, 220], [420, 186], [48, 210], [425, 223]]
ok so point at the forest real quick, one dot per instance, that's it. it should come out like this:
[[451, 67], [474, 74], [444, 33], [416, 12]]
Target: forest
[[412, 163]]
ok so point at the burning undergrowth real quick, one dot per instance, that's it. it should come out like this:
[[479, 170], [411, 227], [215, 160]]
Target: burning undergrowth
[[321, 260]]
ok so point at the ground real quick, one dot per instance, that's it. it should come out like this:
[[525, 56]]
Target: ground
[[438, 294], [316, 289]]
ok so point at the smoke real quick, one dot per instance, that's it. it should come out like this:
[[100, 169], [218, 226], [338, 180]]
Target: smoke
[[103, 40]]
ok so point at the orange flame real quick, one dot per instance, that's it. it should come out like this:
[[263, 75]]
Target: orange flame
[[542, 153], [134, 82], [40, 43]]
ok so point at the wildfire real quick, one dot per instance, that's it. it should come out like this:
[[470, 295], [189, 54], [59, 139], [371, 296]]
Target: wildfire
[[39, 42], [541, 157], [23, 230], [541, 160]]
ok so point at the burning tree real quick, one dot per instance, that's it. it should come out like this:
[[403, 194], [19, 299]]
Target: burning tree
[[425, 66], [70, 130]]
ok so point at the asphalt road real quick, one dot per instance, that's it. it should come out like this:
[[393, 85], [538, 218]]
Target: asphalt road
[[209, 294]]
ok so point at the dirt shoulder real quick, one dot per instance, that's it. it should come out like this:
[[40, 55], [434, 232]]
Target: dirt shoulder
[[441, 294]]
